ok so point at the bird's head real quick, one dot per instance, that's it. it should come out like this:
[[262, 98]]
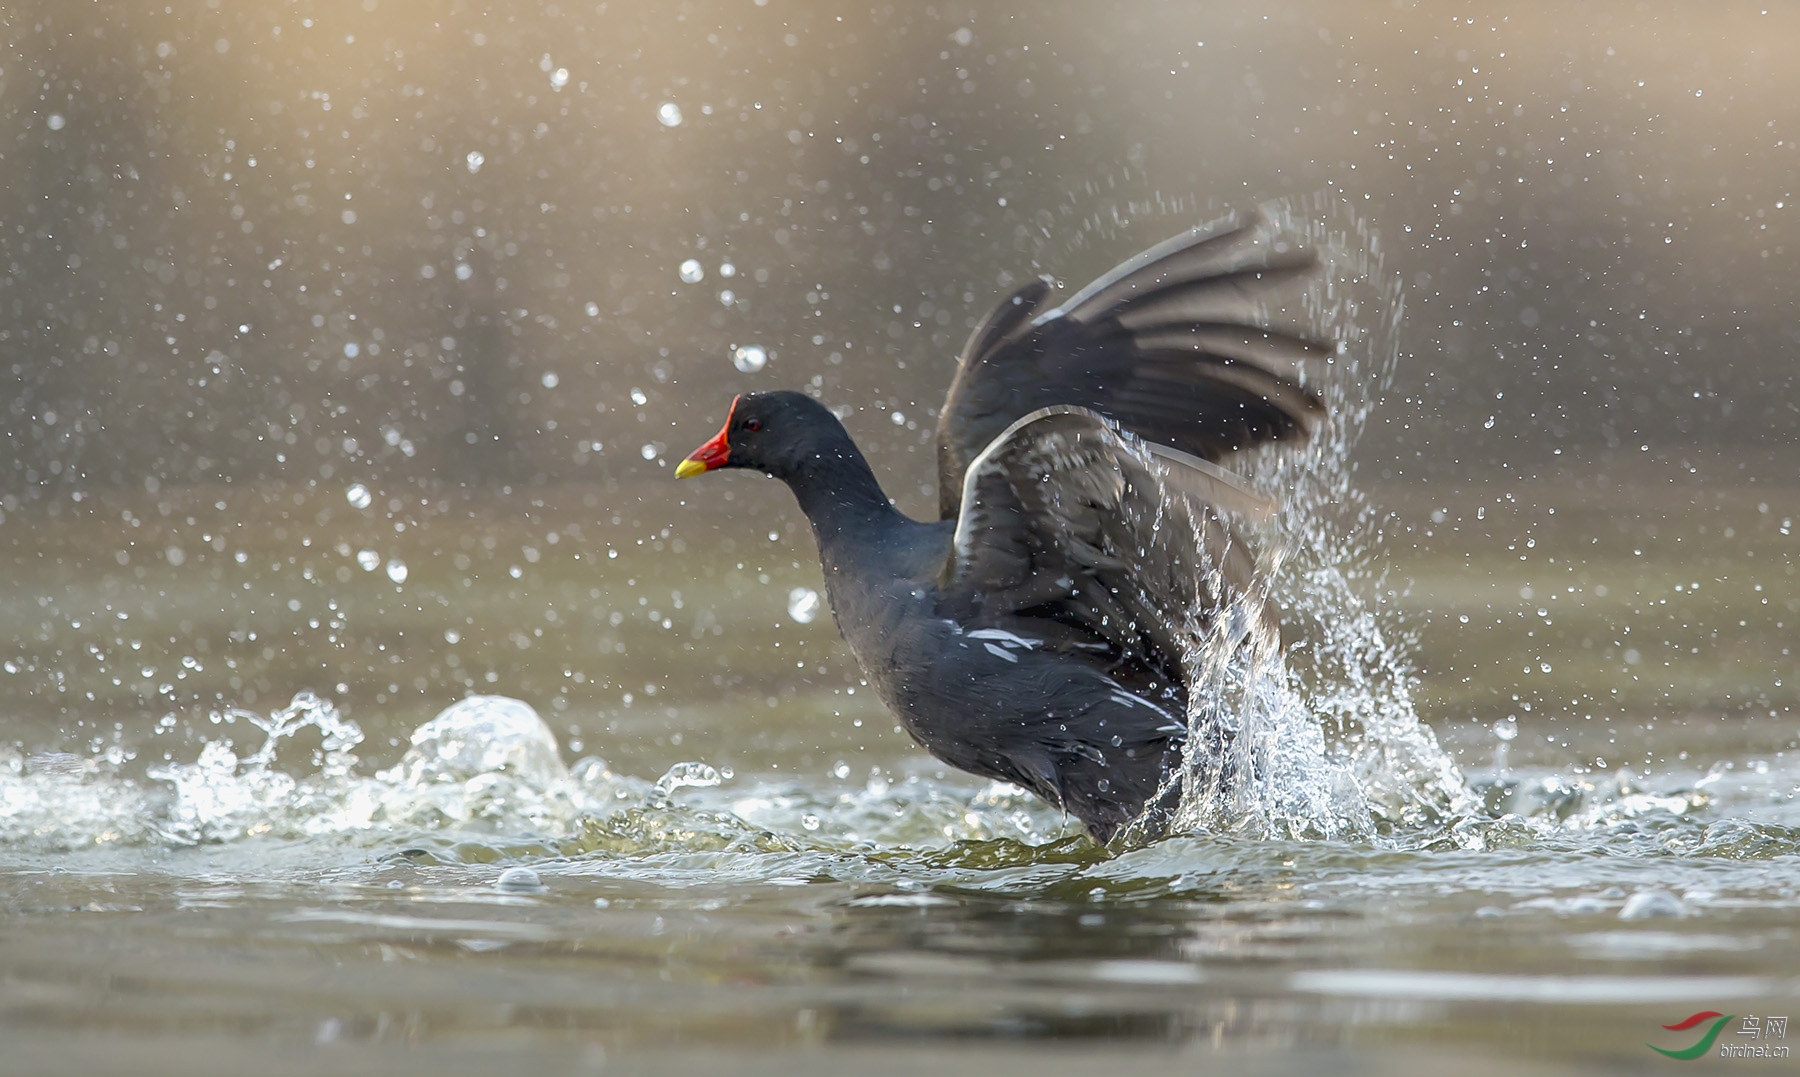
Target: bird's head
[[775, 433]]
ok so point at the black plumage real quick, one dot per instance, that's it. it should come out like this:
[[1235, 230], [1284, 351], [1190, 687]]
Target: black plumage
[[1039, 633]]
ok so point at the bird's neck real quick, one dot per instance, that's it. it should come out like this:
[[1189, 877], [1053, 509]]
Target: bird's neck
[[839, 494]]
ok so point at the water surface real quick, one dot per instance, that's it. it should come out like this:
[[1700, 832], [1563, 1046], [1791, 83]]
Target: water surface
[[746, 862]]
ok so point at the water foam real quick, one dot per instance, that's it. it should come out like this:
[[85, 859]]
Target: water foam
[[482, 780]]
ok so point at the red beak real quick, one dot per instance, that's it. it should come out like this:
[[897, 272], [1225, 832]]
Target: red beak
[[713, 454]]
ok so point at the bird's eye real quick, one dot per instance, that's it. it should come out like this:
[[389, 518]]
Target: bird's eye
[[753, 425]]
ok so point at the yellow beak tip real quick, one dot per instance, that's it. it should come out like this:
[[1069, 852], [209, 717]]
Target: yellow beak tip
[[689, 467]]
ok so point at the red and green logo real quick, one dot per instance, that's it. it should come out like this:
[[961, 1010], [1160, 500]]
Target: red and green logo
[[1719, 1021]]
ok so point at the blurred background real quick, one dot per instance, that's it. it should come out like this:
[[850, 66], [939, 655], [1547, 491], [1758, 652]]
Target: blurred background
[[349, 345]]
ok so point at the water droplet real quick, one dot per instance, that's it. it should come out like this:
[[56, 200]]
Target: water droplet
[[1651, 905], [358, 496], [809, 821], [397, 570], [681, 775], [175, 555], [727, 297], [1489, 425], [54, 121], [550, 379], [899, 418], [348, 216], [638, 397], [368, 559], [464, 271], [649, 452], [692, 271], [668, 114], [475, 160], [519, 879], [1506, 729], [559, 78], [352, 350], [726, 269], [593, 310], [803, 604], [749, 358]]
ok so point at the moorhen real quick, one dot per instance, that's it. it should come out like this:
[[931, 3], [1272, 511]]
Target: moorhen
[[1043, 631]]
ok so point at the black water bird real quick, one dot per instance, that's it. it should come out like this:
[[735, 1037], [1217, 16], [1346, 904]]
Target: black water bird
[[1038, 632]]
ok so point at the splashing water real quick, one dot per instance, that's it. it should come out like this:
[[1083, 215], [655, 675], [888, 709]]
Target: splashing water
[[220, 796], [1321, 740], [483, 779], [1355, 673]]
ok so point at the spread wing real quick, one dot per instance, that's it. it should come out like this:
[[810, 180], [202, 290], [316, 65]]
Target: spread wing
[[1179, 345], [1079, 535]]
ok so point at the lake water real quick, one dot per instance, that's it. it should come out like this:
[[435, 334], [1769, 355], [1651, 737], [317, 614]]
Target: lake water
[[698, 844]]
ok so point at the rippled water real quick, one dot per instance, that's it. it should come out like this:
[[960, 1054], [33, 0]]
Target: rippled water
[[480, 896], [703, 854]]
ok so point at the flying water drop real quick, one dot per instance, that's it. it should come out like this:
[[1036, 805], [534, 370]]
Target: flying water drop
[[358, 496], [692, 272], [803, 604], [749, 358], [669, 114], [687, 775]]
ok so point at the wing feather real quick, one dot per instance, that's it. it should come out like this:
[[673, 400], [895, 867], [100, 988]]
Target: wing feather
[[1065, 518], [1180, 345]]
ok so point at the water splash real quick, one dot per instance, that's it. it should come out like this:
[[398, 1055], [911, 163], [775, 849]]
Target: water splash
[[686, 776], [221, 796], [483, 780], [478, 736], [1321, 740], [1354, 670], [483, 783]]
